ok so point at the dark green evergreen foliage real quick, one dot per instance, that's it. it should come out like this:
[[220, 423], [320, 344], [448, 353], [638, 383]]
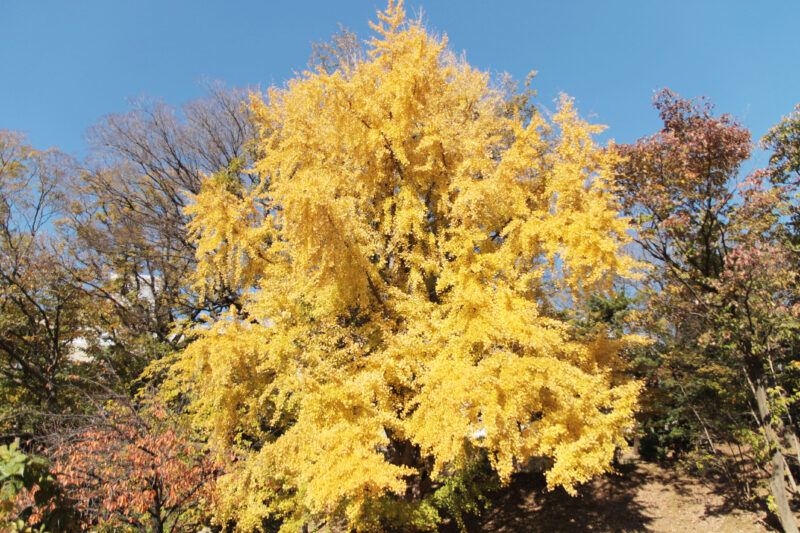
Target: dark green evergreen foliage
[[610, 311]]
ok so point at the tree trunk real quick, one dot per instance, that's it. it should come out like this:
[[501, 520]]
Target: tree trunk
[[777, 482], [795, 444], [408, 454], [156, 519]]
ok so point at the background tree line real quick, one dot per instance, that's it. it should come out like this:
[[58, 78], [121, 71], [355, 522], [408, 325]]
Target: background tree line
[[95, 267]]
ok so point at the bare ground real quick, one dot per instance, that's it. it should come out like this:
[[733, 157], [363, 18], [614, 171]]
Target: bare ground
[[640, 497]]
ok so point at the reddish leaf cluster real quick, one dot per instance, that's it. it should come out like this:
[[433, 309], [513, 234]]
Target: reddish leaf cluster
[[137, 468], [677, 183]]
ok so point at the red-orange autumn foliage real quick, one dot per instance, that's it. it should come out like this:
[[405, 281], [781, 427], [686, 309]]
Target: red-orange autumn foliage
[[137, 469]]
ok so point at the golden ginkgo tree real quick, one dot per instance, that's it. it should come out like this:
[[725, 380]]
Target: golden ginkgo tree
[[410, 260]]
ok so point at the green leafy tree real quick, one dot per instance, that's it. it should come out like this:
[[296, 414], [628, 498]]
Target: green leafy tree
[[30, 497], [720, 290]]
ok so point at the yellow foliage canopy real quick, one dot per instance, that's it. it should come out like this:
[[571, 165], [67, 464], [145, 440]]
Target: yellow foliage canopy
[[403, 259]]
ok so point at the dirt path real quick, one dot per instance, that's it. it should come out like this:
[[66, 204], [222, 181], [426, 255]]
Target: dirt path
[[642, 498]]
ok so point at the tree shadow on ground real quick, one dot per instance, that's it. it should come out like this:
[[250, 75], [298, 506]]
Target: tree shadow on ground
[[608, 504], [639, 497], [730, 499]]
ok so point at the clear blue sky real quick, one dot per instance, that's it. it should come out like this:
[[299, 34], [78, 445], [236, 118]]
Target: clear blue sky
[[66, 63]]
